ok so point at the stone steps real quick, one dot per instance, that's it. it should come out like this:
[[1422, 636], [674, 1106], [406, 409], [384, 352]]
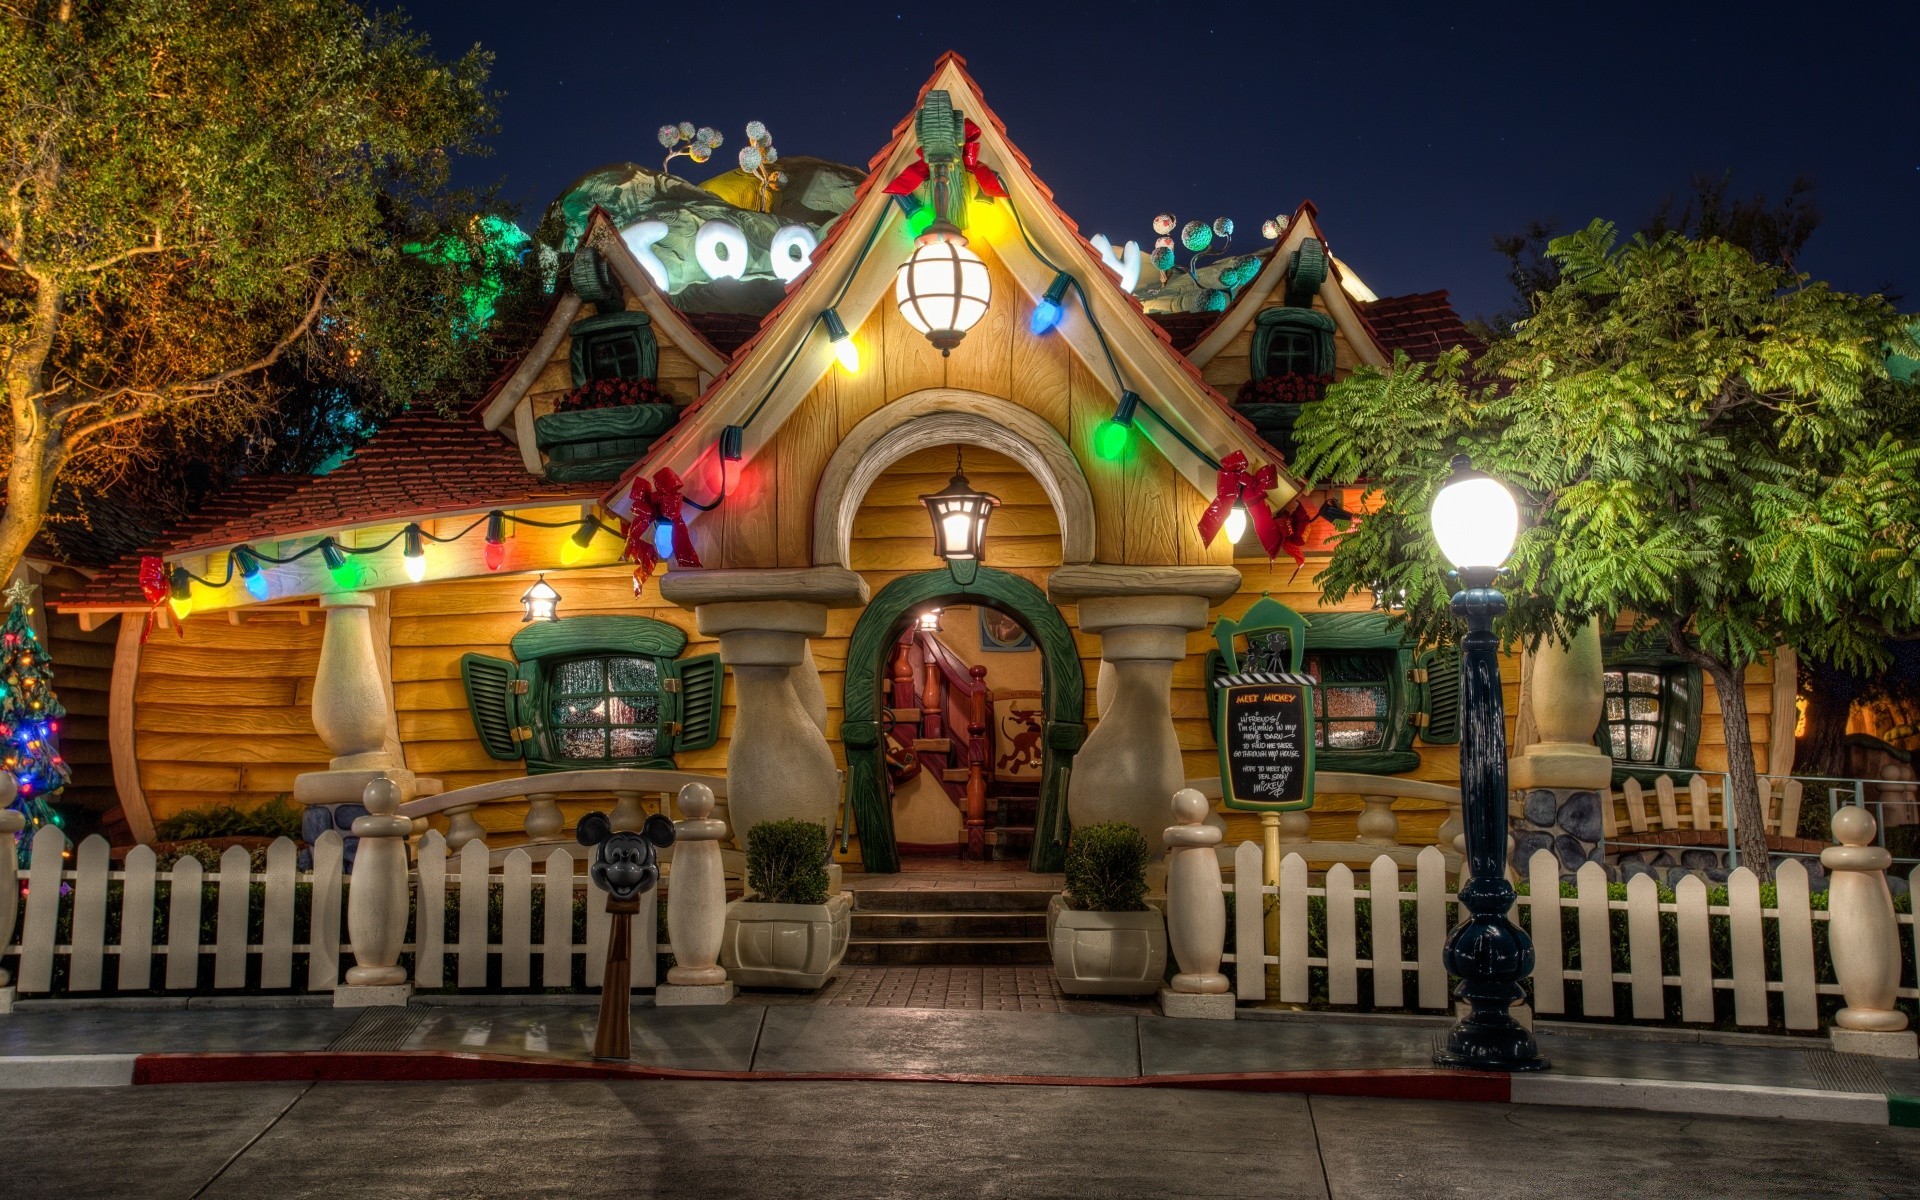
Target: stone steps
[[959, 926]]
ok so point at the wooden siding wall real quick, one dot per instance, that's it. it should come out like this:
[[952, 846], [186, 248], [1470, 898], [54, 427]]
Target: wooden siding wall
[[223, 712], [82, 673], [1144, 510]]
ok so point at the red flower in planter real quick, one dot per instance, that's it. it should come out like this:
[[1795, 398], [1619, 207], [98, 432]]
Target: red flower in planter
[[611, 393], [1284, 389]]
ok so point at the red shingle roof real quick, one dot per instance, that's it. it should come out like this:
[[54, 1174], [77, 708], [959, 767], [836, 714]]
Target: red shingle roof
[[1421, 324], [419, 465], [118, 584]]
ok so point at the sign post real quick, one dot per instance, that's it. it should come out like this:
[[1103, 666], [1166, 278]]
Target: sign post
[[1265, 732]]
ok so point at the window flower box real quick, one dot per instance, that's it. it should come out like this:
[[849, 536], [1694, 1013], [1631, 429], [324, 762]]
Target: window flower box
[[601, 428]]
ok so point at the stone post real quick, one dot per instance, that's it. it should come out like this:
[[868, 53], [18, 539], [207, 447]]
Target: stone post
[[696, 905], [1562, 779], [377, 903], [11, 823], [1865, 940], [778, 762], [1132, 761], [354, 717], [1196, 913]]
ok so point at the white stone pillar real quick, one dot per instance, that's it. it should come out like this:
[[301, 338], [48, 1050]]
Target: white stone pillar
[[1131, 761], [377, 903], [1196, 913], [696, 905], [11, 823], [1561, 780], [1865, 941], [778, 762], [352, 711]]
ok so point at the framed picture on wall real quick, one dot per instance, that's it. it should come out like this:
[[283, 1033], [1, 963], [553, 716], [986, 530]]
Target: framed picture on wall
[[1000, 632]]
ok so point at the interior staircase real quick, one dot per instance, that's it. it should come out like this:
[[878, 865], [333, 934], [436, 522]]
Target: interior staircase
[[962, 926]]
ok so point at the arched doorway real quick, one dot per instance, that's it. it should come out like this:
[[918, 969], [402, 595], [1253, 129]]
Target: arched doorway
[[868, 651]]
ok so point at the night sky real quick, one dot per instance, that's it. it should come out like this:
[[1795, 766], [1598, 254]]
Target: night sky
[[1420, 131]]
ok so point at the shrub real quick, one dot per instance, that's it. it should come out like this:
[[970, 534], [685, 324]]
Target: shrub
[[278, 817], [1107, 869], [787, 862]]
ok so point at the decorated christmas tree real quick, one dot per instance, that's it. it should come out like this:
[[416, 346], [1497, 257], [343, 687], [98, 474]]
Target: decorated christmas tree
[[29, 715]]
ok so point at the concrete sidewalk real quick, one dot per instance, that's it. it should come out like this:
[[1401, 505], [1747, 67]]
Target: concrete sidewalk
[[522, 1038]]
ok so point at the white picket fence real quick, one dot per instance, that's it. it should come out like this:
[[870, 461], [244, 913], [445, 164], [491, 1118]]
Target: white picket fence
[[1643, 970], [87, 873]]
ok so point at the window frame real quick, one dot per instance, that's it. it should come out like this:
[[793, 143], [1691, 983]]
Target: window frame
[[634, 329], [1312, 324], [550, 696], [1357, 632], [1681, 701]]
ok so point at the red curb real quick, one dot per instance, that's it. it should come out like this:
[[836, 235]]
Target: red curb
[[416, 1066]]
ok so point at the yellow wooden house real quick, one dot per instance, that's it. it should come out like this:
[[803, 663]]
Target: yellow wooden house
[[372, 622]]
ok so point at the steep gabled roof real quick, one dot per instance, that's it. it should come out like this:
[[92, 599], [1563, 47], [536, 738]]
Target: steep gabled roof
[[1340, 306], [773, 372], [601, 234]]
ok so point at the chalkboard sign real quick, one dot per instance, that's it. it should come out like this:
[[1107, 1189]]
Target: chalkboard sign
[[1265, 733]]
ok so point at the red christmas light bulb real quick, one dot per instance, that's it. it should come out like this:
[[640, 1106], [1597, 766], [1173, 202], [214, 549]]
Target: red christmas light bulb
[[496, 554]]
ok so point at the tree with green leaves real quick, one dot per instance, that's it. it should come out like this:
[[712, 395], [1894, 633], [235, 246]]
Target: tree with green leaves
[[206, 206], [1706, 445]]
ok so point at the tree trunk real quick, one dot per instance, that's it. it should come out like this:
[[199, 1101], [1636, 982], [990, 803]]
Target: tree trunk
[[29, 492], [1821, 747], [1743, 782]]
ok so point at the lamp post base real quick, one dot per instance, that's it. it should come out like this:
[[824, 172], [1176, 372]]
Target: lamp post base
[[1491, 1042]]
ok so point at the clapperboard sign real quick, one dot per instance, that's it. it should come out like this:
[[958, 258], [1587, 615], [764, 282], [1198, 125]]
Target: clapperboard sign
[[1265, 734]]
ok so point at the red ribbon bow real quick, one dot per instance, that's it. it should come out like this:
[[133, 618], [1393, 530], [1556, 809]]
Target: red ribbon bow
[[652, 503], [156, 587], [1239, 485], [917, 172]]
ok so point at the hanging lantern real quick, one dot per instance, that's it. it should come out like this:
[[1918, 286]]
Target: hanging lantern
[[930, 621], [944, 289], [960, 519], [540, 602]]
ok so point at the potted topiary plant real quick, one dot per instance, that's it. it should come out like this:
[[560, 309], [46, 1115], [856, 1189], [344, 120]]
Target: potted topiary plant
[[1106, 940], [786, 931]]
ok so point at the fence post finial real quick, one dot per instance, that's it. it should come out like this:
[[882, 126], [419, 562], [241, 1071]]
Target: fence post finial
[[377, 902], [1865, 940], [1197, 913], [696, 905]]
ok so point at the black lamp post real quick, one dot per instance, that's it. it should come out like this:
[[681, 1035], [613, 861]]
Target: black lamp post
[[1475, 521]]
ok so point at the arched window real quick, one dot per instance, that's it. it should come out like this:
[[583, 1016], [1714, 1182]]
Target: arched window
[[1292, 341]]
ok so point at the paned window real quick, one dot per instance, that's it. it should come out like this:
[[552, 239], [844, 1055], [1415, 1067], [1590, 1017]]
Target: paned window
[[605, 708], [613, 356], [1355, 698], [1651, 722], [1636, 724], [1292, 351]]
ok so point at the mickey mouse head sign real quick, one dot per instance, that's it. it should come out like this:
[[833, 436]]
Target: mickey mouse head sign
[[625, 865]]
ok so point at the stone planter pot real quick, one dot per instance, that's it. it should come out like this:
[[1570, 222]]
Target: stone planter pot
[[599, 443], [786, 945], [1107, 953]]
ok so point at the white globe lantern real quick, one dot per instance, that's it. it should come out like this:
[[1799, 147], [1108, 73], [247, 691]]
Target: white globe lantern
[[943, 290], [1475, 519]]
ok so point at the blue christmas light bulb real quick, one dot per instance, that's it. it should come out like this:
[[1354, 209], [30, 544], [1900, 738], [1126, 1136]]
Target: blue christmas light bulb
[[663, 539]]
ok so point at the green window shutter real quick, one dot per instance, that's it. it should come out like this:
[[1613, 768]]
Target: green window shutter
[[493, 688], [1438, 675], [695, 701]]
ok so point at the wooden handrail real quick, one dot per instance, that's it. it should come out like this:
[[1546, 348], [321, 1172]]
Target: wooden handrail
[[606, 779], [977, 764]]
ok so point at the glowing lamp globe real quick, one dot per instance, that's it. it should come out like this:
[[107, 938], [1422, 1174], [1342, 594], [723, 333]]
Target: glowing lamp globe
[[959, 516], [540, 602], [929, 621], [943, 290], [1475, 519]]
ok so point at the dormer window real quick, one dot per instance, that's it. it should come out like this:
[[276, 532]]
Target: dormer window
[[1292, 342], [614, 346]]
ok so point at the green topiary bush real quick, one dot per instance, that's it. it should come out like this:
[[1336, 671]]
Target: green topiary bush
[[787, 862], [1107, 869]]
